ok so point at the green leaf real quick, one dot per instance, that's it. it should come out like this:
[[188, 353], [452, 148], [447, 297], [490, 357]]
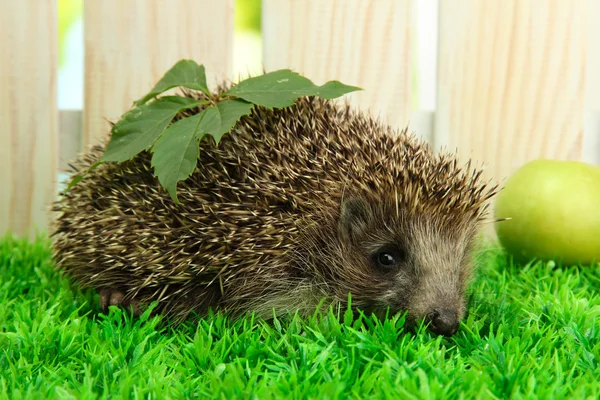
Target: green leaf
[[230, 111], [334, 89], [276, 89], [139, 128], [281, 88], [186, 73], [176, 151], [76, 179]]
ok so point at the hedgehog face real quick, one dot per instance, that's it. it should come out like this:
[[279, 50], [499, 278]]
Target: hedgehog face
[[404, 261]]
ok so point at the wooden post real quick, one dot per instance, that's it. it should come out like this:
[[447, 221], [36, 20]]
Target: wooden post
[[130, 44], [28, 115], [511, 81], [366, 43]]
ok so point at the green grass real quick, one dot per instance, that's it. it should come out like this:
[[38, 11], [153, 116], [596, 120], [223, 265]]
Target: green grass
[[532, 332]]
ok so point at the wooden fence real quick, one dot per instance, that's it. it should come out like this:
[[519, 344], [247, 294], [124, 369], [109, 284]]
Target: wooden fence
[[516, 79]]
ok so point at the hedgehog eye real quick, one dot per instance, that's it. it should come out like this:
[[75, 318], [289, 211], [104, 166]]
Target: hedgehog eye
[[388, 258]]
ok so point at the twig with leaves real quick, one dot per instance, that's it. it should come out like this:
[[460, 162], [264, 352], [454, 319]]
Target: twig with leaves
[[175, 147]]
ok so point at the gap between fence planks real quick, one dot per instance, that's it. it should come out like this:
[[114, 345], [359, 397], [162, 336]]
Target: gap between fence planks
[[130, 44], [70, 124], [366, 43], [28, 116]]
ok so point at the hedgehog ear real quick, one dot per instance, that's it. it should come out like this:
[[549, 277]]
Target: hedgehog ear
[[355, 214]]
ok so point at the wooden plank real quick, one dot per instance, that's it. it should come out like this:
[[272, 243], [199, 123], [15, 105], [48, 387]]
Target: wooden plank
[[511, 80], [359, 42], [28, 115], [130, 44]]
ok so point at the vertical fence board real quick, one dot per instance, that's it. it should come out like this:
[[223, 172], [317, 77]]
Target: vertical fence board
[[360, 42], [28, 115], [591, 138], [130, 44], [511, 80]]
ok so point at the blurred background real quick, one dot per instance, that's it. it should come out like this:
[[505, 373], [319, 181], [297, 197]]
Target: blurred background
[[501, 82], [247, 50], [246, 60]]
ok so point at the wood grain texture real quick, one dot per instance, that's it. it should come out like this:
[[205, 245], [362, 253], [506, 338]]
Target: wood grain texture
[[511, 80], [366, 43], [28, 117], [130, 44], [591, 130]]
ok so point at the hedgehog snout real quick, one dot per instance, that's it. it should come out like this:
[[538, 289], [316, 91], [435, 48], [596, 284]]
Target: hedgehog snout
[[439, 303], [443, 321]]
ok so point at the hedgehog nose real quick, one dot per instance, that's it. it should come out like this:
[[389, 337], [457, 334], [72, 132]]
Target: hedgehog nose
[[442, 321]]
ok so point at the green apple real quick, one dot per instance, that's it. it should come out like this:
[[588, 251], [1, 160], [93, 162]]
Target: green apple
[[554, 211]]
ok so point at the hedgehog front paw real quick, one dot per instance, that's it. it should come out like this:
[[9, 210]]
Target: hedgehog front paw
[[116, 297]]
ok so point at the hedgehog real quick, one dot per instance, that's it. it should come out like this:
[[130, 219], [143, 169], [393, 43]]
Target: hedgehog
[[296, 208]]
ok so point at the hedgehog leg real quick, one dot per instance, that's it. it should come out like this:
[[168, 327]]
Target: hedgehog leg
[[116, 297]]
